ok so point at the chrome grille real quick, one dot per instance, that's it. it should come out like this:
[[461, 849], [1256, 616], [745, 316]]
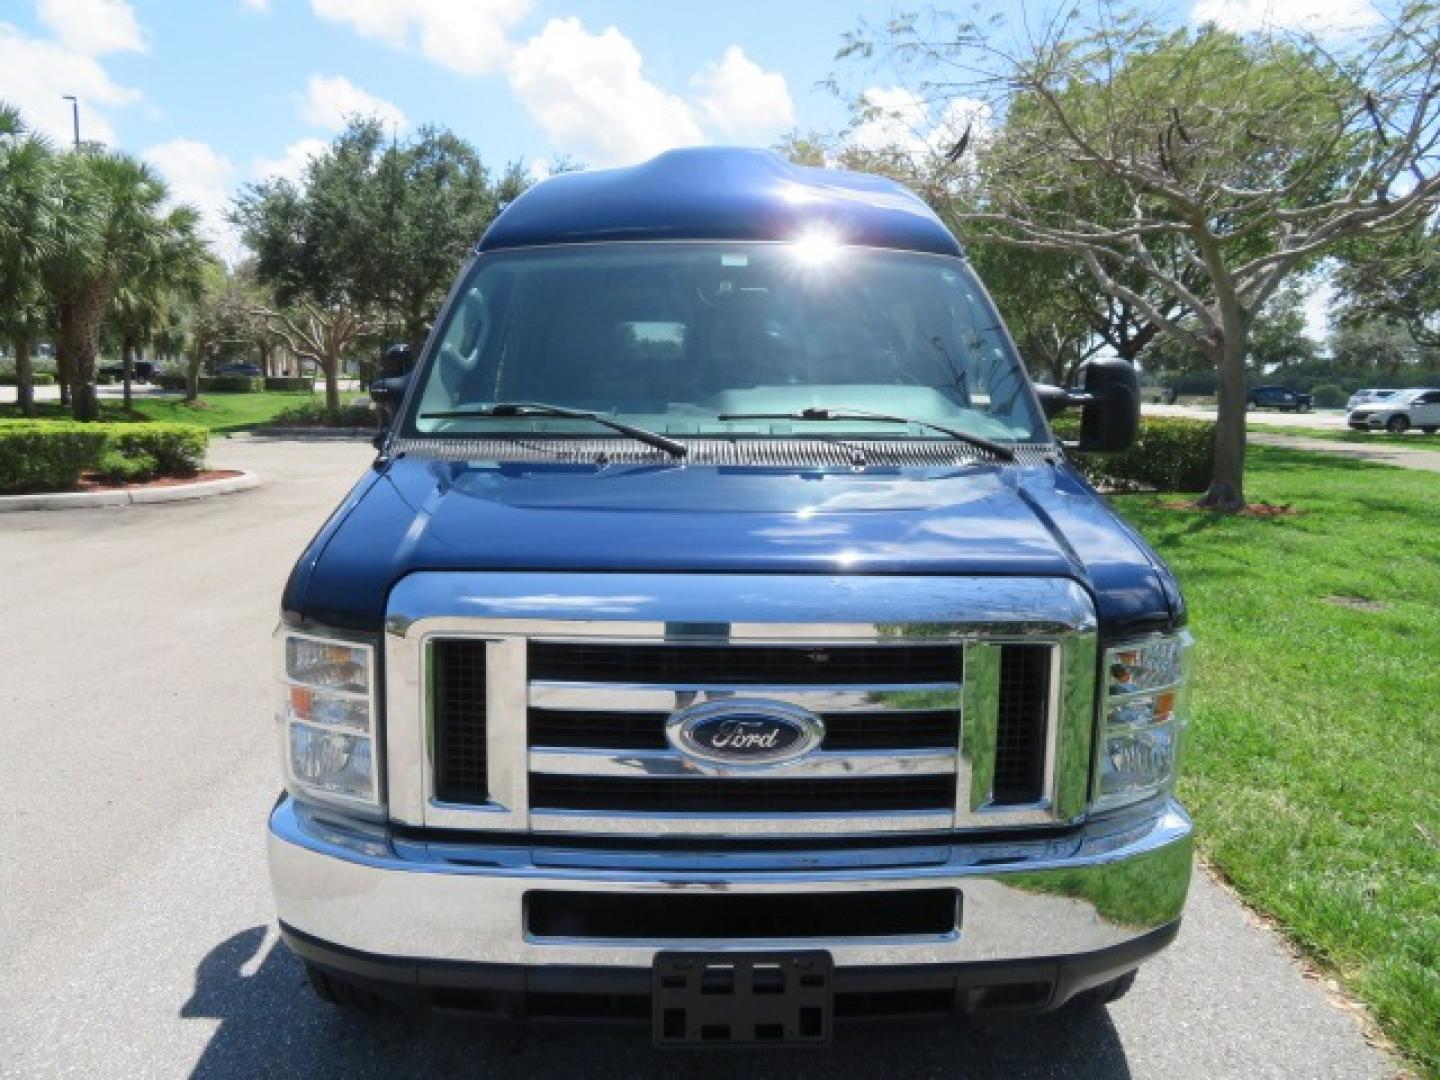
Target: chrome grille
[[866, 690], [961, 704]]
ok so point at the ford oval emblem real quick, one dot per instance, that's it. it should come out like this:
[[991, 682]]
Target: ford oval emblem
[[741, 731]]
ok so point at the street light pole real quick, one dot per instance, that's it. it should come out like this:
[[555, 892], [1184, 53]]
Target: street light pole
[[74, 115]]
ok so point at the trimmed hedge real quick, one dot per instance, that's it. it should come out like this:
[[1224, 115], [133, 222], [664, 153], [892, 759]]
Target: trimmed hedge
[[47, 455], [214, 384], [50, 455], [1170, 454], [230, 384], [289, 382], [42, 378], [1329, 396], [359, 413]]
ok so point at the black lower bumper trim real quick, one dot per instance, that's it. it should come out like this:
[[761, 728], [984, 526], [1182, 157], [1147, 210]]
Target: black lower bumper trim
[[576, 992]]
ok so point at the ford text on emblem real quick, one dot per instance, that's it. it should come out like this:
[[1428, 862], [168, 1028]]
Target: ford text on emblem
[[740, 731]]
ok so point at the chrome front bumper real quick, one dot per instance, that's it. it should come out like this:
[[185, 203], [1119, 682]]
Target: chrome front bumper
[[373, 892]]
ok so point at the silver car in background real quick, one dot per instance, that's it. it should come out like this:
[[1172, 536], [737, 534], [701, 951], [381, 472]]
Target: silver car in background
[[1399, 412]]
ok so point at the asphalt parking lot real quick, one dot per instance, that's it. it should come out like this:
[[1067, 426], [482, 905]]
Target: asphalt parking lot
[[139, 763]]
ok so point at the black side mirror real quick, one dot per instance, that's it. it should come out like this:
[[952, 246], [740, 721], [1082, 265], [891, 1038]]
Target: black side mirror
[[397, 361], [1110, 400], [389, 392], [387, 395]]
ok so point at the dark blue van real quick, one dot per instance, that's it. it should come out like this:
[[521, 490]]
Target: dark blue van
[[722, 641]]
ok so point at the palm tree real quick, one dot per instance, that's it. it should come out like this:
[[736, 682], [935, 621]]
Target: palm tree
[[169, 271], [27, 240], [116, 231]]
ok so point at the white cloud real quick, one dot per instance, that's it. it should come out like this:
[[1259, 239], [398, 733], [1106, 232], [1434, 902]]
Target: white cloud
[[1315, 16], [589, 94], [35, 72], [741, 100], [201, 176], [261, 6], [330, 102], [290, 163], [897, 118], [93, 27], [468, 36]]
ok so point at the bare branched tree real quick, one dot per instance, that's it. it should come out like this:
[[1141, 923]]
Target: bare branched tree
[[1212, 165], [322, 334]]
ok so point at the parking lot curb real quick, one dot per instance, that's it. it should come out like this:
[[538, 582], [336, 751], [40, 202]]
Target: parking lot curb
[[87, 500], [308, 433]]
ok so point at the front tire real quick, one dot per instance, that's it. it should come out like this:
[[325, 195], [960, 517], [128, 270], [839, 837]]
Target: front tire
[[1430, 430], [1397, 425]]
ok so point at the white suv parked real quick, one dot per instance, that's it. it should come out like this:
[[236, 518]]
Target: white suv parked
[[1365, 397], [1399, 412]]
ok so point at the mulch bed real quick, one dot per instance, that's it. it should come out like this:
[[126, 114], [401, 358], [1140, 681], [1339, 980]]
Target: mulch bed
[[91, 482], [1254, 510]]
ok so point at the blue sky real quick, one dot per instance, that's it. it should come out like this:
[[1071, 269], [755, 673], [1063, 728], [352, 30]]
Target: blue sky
[[226, 91], [218, 93]]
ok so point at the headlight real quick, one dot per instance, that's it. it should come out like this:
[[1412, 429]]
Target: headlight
[[1144, 715], [327, 719]]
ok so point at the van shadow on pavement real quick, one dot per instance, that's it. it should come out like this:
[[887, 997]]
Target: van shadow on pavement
[[271, 1025]]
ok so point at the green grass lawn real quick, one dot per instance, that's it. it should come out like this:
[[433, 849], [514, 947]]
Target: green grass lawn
[[1313, 760], [221, 413]]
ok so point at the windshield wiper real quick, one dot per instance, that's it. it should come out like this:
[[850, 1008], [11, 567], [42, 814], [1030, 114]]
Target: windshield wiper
[[1000, 450], [536, 408]]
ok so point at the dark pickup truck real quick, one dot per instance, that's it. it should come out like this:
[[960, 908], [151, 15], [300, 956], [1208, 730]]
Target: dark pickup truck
[[1278, 397], [722, 641]]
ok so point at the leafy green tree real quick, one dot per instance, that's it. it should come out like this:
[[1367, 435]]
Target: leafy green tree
[[1397, 280], [436, 201], [313, 254], [371, 239], [1240, 160], [1378, 348]]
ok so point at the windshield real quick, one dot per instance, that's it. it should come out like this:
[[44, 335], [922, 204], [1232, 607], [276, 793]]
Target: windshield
[[695, 339]]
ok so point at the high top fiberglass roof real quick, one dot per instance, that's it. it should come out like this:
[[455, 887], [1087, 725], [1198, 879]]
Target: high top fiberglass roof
[[716, 193]]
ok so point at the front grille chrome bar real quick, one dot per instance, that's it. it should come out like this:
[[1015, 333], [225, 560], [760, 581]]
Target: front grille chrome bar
[[569, 761], [648, 697], [508, 612]]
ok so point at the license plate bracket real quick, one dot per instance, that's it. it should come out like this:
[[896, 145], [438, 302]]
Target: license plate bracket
[[743, 999]]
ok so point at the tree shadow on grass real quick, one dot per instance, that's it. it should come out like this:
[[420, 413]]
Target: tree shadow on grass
[[272, 1025]]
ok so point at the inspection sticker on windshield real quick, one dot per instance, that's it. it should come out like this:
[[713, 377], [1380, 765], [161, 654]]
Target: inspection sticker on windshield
[[734, 260]]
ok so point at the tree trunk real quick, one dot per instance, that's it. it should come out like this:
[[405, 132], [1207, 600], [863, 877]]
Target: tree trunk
[[192, 373], [1227, 477], [80, 318], [128, 349], [331, 366], [24, 375], [62, 376]]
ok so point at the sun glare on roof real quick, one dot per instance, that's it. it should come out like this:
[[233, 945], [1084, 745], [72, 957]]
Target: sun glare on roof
[[816, 247]]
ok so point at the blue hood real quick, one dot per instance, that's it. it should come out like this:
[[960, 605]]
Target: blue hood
[[418, 514]]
